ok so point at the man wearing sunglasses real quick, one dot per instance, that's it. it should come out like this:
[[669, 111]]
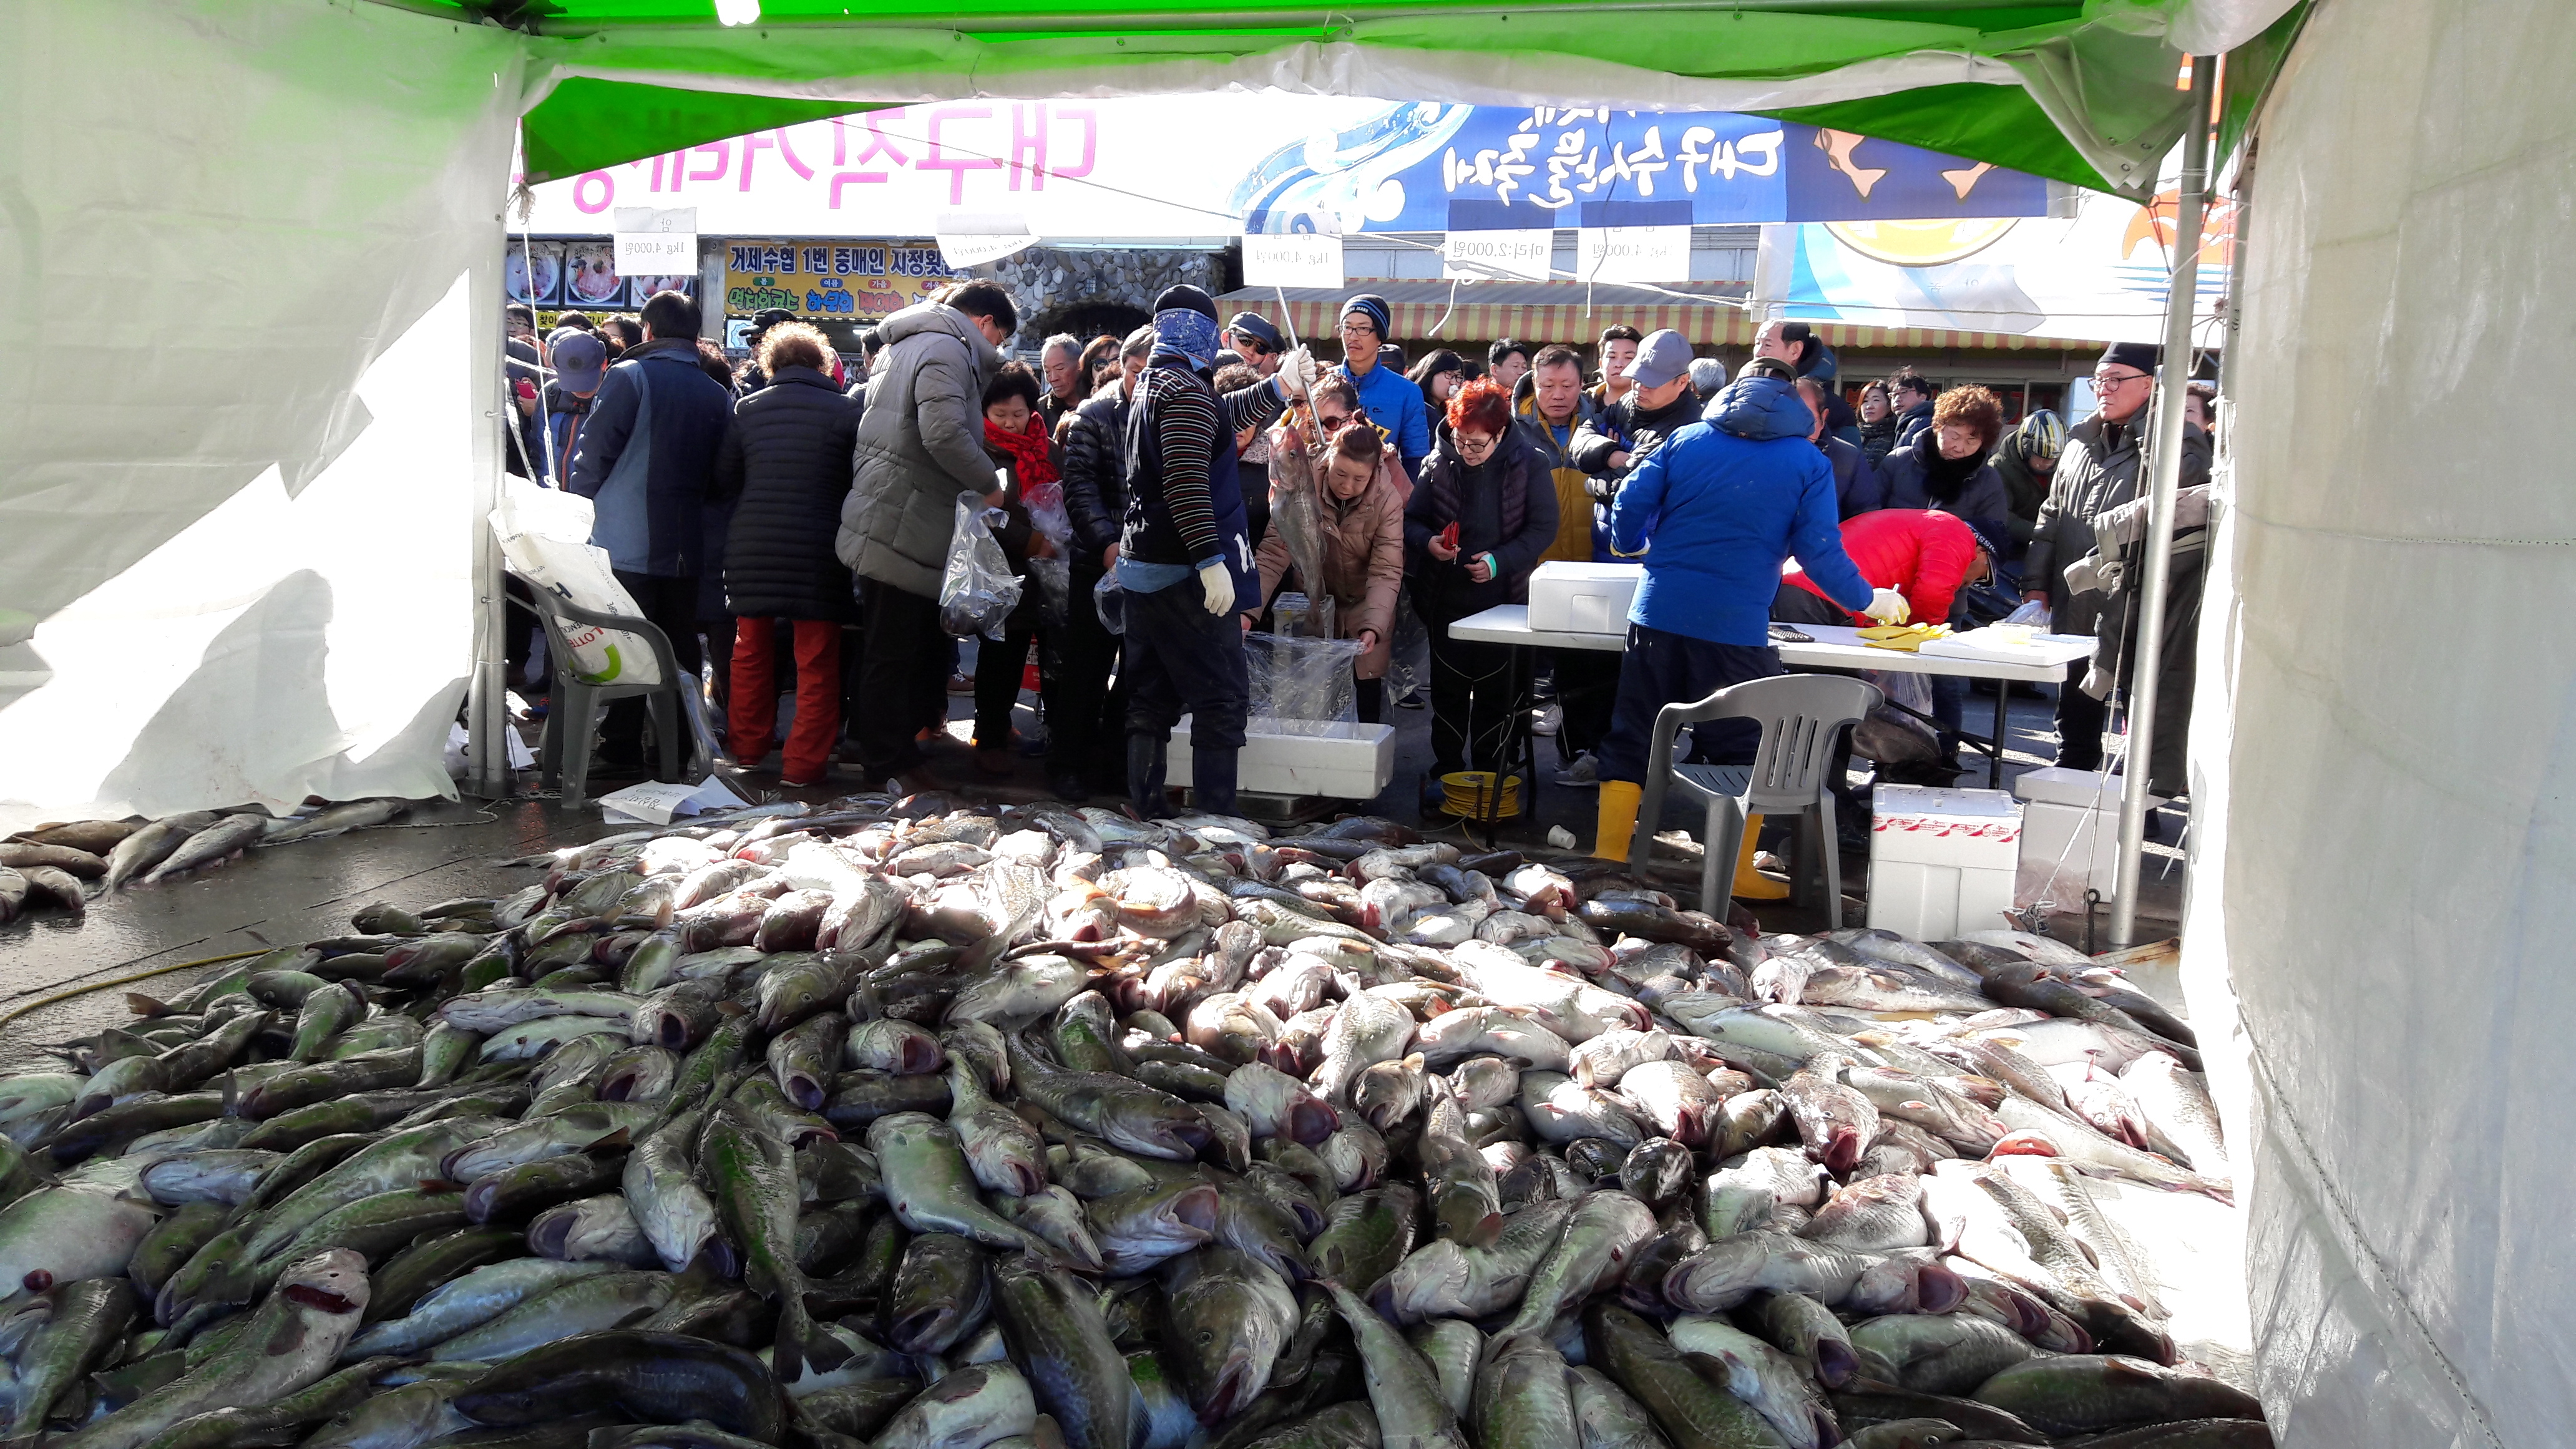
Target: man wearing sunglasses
[[2099, 478]]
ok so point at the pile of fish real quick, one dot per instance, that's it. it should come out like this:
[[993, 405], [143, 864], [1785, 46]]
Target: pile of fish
[[47, 866], [907, 1124]]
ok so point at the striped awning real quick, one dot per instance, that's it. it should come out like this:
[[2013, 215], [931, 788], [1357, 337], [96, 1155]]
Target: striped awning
[[1543, 312]]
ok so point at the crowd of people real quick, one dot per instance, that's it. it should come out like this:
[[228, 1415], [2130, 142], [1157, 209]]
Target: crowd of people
[[803, 504]]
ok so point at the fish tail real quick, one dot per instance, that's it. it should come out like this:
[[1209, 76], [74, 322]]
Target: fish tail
[[795, 1332]]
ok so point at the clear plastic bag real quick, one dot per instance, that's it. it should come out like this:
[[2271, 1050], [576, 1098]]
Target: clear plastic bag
[[2033, 613], [1299, 685], [1044, 504], [977, 591], [1109, 600]]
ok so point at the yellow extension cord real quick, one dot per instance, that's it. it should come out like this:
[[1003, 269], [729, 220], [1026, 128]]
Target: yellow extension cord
[[1464, 794], [67, 993]]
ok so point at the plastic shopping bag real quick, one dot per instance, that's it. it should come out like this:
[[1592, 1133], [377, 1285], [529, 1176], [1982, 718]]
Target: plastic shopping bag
[[977, 591], [2033, 613], [1109, 599], [545, 535]]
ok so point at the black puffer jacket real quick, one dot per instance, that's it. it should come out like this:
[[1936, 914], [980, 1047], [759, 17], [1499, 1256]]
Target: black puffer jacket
[[787, 456], [1095, 474]]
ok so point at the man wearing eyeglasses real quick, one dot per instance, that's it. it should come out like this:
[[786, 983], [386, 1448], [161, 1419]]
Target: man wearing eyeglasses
[[2098, 479]]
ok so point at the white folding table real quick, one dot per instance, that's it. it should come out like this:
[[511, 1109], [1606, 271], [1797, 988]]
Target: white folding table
[[1836, 646]]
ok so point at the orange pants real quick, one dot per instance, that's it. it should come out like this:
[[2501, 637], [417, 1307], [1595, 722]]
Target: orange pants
[[754, 713]]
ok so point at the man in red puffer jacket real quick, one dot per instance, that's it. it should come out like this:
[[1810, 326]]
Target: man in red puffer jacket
[[1927, 556]]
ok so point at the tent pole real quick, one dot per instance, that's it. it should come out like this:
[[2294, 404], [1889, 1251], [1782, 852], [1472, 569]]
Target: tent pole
[[2148, 655], [487, 701]]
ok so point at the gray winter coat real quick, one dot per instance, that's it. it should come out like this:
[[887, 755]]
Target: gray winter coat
[[920, 444], [2092, 476]]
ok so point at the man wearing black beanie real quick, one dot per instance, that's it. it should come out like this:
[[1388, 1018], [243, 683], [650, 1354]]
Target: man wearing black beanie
[[1185, 554], [2100, 477]]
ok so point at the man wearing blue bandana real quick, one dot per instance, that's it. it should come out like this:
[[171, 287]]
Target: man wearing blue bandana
[[1392, 400], [1185, 555]]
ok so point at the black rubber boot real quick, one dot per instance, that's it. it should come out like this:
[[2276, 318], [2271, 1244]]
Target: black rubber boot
[[1145, 765], [1212, 781]]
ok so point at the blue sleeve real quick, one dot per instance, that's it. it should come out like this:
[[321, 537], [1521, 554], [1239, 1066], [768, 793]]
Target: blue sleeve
[[1816, 539], [1412, 466], [1413, 434], [1641, 502], [603, 435]]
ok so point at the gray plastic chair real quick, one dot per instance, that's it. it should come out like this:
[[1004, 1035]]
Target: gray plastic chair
[[564, 753], [1801, 715]]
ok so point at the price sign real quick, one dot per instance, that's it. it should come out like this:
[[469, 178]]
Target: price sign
[[656, 241], [1633, 254], [1295, 259]]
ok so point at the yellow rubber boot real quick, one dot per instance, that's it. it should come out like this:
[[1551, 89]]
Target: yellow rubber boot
[[1751, 884], [1618, 818]]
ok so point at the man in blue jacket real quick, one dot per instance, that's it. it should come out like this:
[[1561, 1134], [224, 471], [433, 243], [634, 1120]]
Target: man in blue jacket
[[1391, 400], [1713, 513], [644, 458]]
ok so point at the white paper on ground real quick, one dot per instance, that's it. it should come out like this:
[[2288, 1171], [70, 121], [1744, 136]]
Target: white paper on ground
[[655, 802], [521, 756]]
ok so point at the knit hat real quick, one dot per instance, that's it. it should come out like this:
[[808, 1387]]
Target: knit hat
[[2146, 357], [1188, 296], [1374, 308], [1185, 327]]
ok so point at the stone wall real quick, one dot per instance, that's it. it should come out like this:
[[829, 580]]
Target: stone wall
[[1094, 291]]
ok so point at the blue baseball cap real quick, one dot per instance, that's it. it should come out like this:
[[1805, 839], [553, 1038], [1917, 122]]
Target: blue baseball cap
[[579, 359]]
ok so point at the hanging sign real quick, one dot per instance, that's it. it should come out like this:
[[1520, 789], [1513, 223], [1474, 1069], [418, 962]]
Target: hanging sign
[[656, 241], [1293, 259], [1487, 241], [1633, 242], [970, 239]]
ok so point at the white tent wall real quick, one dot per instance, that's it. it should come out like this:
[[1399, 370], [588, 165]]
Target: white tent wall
[[2386, 774], [249, 271]]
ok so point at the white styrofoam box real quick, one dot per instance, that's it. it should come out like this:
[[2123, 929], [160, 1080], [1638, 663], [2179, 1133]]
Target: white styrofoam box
[[1941, 861], [2070, 835], [1338, 761], [1582, 598]]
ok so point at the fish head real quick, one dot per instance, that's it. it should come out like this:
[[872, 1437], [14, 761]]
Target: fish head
[[1721, 1275], [1154, 1123], [333, 1282]]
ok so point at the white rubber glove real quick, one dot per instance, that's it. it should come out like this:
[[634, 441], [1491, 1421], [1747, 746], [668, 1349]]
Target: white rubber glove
[[1297, 373], [1218, 581], [1888, 606]]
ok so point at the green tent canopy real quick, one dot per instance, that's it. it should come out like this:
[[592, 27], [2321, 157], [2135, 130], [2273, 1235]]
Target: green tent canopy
[[2084, 93]]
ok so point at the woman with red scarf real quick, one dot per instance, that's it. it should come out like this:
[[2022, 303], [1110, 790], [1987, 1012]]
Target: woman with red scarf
[[1015, 434]]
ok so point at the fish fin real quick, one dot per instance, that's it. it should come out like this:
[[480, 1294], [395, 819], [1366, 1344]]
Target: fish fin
[[1712, 1368], [622, 1137], [142, 1005], [439, 1185], [730, 1007]]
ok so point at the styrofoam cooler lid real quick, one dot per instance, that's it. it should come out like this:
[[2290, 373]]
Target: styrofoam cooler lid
[[1965, 805], [2084, 789], [1582, 571]]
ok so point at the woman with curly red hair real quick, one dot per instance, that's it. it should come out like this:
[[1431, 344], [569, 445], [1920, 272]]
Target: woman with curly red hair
[[1482, 512]]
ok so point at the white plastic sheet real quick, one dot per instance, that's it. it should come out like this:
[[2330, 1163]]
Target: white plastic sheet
[[2385, 774], [242, 415]]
